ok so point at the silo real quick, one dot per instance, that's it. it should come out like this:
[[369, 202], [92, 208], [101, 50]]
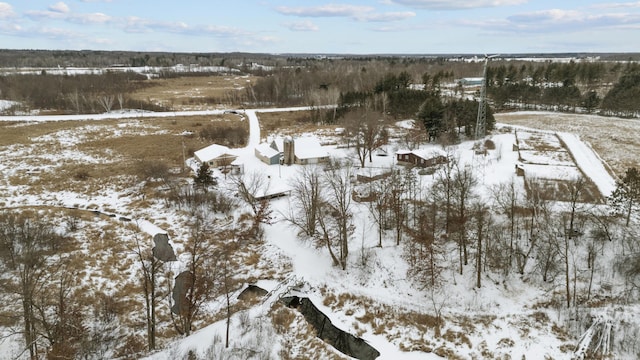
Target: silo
[[288, 150]]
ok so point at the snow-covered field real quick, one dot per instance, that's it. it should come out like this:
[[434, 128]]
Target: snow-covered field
[[615, 140], [502, 319], [147, 70]]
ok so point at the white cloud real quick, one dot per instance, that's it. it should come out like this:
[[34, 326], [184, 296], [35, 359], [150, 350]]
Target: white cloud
[[75, 18], [6, 11], [302, 26], [330, 10], [93, 18], [359, 13], [47, 14], [456, 4], [385, 17], [403, 28], [552, 15], [635, 4], [60, 34], [59, 7], [556, 20]]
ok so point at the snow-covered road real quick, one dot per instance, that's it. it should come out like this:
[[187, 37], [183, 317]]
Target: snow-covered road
[[129, 114], [589, 162]]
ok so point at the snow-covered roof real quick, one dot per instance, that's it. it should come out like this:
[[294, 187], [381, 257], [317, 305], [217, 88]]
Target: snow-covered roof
[[211, 152], [309, 147], [305, 147], [279, 143], [424, 153], [429, 153], [266, 150]]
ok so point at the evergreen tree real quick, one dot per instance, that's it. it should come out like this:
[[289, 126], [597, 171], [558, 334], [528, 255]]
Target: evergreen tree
[[623, 97], [590, 101], [627, 193], [203, 177], [432, 115]]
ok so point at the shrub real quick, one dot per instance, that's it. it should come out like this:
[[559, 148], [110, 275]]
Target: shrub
[[81, 175]]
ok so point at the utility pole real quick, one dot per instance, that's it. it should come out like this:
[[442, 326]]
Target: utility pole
[[481, 121]]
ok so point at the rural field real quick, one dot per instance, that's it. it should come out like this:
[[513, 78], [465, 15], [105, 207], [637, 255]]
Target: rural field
[[614, 139], [253, 216]]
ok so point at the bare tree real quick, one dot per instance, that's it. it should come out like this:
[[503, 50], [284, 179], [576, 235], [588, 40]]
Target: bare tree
[[444, 186], [306, 200], [422, 248], [482, 220], [60, 317], [507, 200], [537, 206], [106, 101], [397, 203], [328, 232], [120, 97], [379, 206], [576, 188], [194, 286], [366, 133], [337, 180], [26, 249], [464, 182], [150, 268], [76, 101], [253, 189]]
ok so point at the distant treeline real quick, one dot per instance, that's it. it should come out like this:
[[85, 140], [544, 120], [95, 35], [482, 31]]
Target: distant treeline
[[87, 93], [399, 86], [98, 58], [610, 88], [394, 85]]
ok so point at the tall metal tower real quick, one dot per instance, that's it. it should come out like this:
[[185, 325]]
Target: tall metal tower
[[481, 121]]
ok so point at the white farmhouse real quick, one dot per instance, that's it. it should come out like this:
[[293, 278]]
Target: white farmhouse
[[215, 156]]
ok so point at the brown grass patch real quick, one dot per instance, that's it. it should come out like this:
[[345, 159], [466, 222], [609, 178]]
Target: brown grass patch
[[287, 122], [21, 133], [456, 337], [100, 136], [560, 190], [198, 91], [506, 343], [282, 317], [252, 259]]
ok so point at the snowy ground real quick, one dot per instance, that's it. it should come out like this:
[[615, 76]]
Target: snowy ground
[[510, 327], [614, 139], [5, 104]]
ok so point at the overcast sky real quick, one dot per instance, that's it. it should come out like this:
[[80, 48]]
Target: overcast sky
[[348, 26]]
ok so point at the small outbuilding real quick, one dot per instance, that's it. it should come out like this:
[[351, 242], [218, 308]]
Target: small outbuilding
[[267, 154], [215, 156], [421, 157]]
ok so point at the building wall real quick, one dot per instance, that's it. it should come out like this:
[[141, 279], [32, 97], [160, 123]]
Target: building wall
[[413, 159], [311, 160], [222, 160]]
